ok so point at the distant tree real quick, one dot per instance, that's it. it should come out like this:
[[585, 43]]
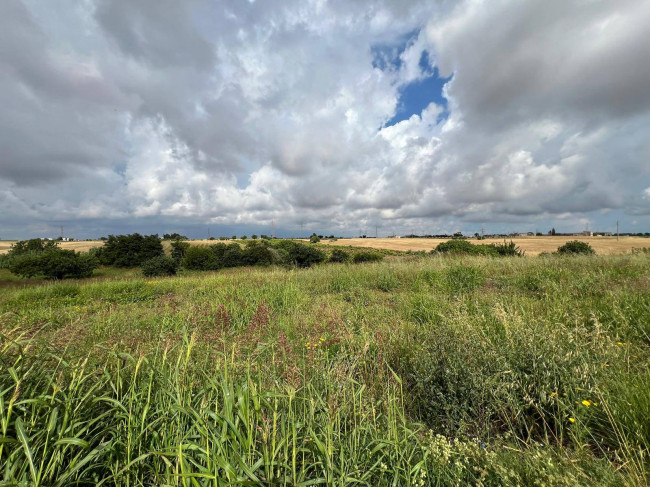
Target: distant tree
[[174, 236], [130, 250], [314, 238], [243, 237], [551, 231], [254, 237], [264, 237], [234, 237]]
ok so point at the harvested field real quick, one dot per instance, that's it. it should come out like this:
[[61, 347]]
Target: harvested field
[[531, 245], [81, 246]]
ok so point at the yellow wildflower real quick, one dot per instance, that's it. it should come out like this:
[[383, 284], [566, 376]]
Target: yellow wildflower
[[573, 420], [586, 403]]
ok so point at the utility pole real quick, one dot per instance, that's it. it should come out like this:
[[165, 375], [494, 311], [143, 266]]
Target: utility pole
[[272, 229], [617, 230], [61, 233], [208, 233], [375, 231]]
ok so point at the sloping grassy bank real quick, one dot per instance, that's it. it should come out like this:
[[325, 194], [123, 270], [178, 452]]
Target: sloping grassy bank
[[413, 371]]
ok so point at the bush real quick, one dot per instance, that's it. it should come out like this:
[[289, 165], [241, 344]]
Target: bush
[[509, 249], [160, 266], [130, 250], [178, 250], [259, 253], [576, 247], [298, 254], [229, 255], [339, 255], [459, 246], [314, 238], [200, 258], [53, 264], [367, 257]]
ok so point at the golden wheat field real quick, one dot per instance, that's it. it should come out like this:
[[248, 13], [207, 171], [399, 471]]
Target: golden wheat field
[[531, 245]]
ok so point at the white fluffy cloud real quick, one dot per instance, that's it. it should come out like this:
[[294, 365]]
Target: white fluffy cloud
[[240, 113]]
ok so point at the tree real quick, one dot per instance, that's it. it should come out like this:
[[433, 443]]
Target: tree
[[130, 250], [33, 245], [254, 237], [314, 238], [174, 236], [179, 248]]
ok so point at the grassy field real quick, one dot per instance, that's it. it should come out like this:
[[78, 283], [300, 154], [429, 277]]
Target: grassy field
[[413, 371]]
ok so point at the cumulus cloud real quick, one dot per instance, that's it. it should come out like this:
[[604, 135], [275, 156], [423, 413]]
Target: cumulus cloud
[[240, 113]]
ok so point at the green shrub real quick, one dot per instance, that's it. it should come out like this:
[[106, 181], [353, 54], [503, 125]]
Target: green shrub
[[160, 266], [576, 247], [229, 255], [298, 254], [314, 238], [360, 257], [130, 250], [33, 245], [509, 249], [460, 246], [53, 264], [455, 246], [339, 255], [179, 248], [259, 253], [200, 258]]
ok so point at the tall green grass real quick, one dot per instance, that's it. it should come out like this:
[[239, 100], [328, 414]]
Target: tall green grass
[[413, 371]]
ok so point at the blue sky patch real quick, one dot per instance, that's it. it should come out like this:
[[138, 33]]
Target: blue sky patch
[[417, 95]]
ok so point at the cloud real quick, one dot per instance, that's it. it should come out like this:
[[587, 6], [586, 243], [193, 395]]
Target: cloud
[[239, 113]]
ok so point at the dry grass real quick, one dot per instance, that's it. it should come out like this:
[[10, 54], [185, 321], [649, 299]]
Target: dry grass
[[531, 245], [80, 246]]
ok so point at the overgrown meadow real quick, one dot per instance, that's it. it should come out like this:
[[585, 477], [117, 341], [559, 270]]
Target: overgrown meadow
[[418, 370]]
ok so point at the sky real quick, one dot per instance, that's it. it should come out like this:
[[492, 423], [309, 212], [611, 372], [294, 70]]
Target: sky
[[340, 117]]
